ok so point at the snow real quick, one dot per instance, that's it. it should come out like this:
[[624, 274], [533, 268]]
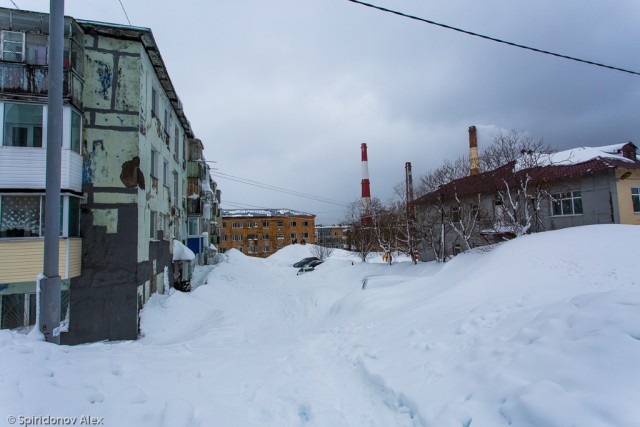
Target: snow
[[181, 252], [543, 330], [575, 156]]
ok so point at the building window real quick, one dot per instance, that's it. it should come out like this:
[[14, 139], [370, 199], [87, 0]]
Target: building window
[[76, 131], [155, 102], [305, 223], [305, 235], [224, 224], [252, 237], [165, 173], [12, 46], [236, 224], [176, 145], [223, 238], [236, 237], [265, 237], [22, 125], [74, 217], [252, 250], [165, 125], [36, 49], [175, 188], [280, 223], [454, 213], [193, 227], [569, 203], [292, 224], [252, 224], [294, 236], [265, 248], [153, 225], [280, 236], [280, 247], [21, 216], [635, 199], [265, 224], [154, 163], [457, 249]]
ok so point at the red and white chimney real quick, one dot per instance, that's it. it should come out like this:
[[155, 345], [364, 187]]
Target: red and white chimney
[[366, 191]]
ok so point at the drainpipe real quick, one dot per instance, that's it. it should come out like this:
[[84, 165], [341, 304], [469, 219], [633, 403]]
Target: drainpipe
[[49, 315]]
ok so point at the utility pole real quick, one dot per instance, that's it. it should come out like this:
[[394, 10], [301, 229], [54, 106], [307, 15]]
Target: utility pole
[[49, 315]]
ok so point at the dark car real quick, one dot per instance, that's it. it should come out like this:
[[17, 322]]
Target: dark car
[[306, 261]]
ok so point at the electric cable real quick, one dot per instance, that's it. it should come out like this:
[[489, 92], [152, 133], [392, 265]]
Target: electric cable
[[125, 12], [471, 33]]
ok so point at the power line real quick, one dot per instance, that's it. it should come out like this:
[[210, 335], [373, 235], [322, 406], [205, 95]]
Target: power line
[[460, 30], [14, 3], [278, 189], [125, 12]]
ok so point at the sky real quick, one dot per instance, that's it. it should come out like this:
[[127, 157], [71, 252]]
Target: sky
[[551, 341], [284, 92]]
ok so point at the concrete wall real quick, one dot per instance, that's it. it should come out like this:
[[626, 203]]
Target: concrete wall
[[122, 265]]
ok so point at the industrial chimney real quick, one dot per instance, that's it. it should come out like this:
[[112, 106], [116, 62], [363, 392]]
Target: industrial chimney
[[366, 191], [474, 161], [409, 190]]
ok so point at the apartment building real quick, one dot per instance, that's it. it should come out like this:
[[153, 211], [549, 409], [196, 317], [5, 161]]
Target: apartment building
[[332, 236], [261, 232], [124, 173]]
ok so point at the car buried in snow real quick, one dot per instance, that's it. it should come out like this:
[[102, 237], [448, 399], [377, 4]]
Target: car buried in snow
[[305, 261]]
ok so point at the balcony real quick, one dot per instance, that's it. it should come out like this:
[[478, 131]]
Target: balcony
[[31, 80]]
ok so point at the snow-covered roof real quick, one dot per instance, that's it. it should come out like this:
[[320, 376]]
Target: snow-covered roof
[[181, 252], [575, 156], [250, 213]]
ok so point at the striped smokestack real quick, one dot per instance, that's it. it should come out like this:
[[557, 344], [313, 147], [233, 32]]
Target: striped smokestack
[[409, 190], [366, 191], [474, 161]]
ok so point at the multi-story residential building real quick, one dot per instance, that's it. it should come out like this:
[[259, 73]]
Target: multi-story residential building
[[261, 232], [332, 236], [23, 108], [583, 186], [124, 181]]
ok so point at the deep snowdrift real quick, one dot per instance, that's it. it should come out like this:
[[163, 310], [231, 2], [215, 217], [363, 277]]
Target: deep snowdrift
[[540, 331]]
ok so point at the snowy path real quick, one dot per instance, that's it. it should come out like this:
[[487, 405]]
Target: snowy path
[[534, 333]]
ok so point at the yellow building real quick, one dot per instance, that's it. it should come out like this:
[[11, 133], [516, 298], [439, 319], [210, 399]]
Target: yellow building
[[261, 232]]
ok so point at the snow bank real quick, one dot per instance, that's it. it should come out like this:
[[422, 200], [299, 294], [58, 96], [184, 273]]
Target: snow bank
[[181, 252], [540, 331]]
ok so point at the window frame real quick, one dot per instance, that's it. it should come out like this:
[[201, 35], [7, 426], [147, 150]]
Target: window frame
[[635, 200], [155, 154], [566, 199], [3, 48]]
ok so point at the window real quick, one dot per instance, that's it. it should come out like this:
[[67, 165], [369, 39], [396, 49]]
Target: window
[[265, 224], [457, 249], [154, 163], [236, 237], [252, 250], [224, 224], [292, 224], [21, 216], [280, 236], [236, 224], [265, 248], [74, 217], [36, 49], [265, 237], [280, 223], [176, 145], [569, 203], [473, 210], [223, 238], [252, 237], [251, 224], [305, 223], [12, 46], [454, 213], [76, 131], [635, 199], [294, 236], [165, 173], [305, 235], [22, 125], [155, 102], [193, 227], [165, 125], [153, 225], [175, 188]]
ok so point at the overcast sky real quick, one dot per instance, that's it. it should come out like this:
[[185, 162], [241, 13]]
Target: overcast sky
[[283, 92]]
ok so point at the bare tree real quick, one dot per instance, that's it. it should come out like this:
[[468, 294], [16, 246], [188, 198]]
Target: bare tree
[[322, 252], [449, 171], [509, 147], [362, 231]]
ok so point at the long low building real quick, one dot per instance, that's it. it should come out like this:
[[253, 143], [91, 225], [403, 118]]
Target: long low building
[[261, 232]]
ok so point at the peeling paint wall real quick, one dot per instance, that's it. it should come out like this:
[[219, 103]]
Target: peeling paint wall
[[121, 262]]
